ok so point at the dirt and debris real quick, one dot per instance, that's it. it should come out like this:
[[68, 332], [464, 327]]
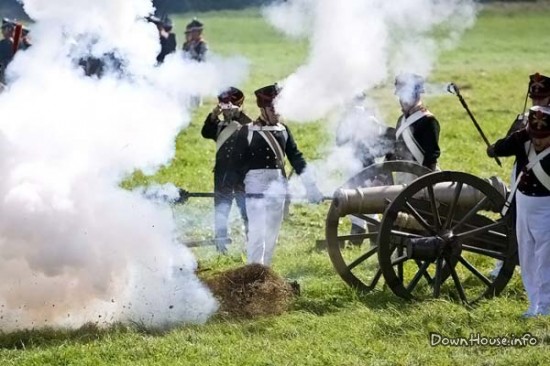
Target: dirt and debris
[[251, 291]]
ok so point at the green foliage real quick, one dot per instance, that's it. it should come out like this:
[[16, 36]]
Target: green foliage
[[330, 324], [204, 5]]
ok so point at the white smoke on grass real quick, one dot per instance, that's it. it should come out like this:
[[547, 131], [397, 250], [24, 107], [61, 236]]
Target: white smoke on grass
[[356, 45], [74, 246]]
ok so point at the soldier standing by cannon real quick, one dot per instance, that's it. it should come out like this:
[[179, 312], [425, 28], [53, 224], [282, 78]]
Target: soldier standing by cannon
[[226, 184], [417, 130], [416, 137], [260, 151], [531, 190], [539, 92]]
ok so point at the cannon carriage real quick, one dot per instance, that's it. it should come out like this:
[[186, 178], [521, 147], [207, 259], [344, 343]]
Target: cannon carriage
[[429, 234]]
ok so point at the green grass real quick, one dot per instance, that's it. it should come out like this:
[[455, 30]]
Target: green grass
[[329, 323]]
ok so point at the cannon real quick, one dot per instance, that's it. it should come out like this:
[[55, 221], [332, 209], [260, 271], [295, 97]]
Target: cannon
[[429, 234]]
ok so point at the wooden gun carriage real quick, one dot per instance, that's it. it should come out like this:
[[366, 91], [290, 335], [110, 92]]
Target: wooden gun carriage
[[439, 233]]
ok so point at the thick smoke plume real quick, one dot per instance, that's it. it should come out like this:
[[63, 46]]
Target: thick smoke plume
[[74, 246], [356, 45]]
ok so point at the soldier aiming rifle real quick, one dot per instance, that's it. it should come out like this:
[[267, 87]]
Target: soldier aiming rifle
[[167, 38]]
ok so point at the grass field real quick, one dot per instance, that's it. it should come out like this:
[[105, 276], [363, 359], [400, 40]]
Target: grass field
[[329, 323]]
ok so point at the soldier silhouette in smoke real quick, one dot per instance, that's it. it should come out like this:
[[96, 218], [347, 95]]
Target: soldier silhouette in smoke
[[167, 39]]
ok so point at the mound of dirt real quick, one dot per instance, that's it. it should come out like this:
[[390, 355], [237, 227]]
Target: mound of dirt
[[251, 291]]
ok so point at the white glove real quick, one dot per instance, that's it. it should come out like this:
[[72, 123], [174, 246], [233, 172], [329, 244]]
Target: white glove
[[313, 193]]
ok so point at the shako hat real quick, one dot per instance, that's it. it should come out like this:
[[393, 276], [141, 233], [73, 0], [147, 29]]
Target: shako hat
[[266, 95], [231, 95]]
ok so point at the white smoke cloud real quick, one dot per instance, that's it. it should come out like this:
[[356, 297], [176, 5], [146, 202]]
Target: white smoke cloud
[[74, 246], [356, 45], [359, 140], [293, 18]]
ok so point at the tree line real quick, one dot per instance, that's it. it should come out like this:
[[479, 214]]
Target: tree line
[[12, 8]]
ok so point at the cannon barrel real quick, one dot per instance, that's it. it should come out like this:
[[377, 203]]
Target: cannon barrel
[[373, 200]]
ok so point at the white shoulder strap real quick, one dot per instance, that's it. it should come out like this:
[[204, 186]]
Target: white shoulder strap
[[226, 133], [273, 145], [539, 172], [409, 121], [534, 164], [258, 128], [277, 127], [413, 146]]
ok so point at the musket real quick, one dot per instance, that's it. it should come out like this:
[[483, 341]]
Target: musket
[[154, 19], [17, 35], [204, 242], [453, 89], [185, 195]]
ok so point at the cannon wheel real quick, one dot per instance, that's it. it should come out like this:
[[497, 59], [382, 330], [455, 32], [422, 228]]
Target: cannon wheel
[[354, 261], [468, 242]]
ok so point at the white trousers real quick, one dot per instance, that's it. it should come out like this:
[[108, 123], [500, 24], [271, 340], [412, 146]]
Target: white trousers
[[265, 214], [533, 231]]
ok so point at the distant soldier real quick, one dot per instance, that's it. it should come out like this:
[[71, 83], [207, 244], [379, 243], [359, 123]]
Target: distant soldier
[[6, 48], [167, 39], [531, 190], [417, 130], [260, 150], [195, 46], [226, 182], [539, 93]]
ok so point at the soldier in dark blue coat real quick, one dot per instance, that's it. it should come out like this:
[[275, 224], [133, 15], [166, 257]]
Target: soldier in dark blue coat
[[227, 184], [417, 130], [531, 190], [539, 92], [261, 148]]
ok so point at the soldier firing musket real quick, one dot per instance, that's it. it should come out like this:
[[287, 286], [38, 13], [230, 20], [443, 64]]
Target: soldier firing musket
[[167, 38]]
